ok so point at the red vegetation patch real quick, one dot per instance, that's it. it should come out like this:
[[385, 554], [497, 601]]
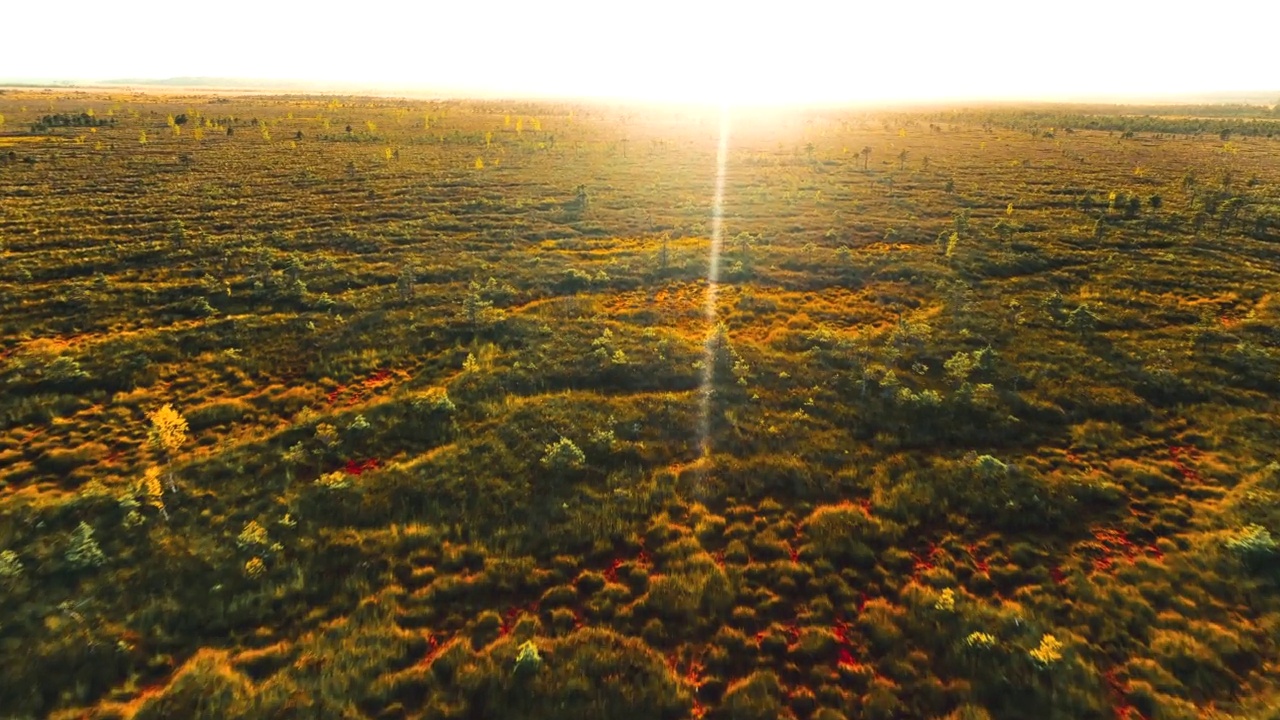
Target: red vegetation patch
[[791, 551], [844, 656], [1180, 455], [642, 559], [1112, 544], [513, 613], [1118, 688], [333, 395], [692, 673], [926, 561], [611, 574], [359, 468], [840, 628], [435, 645], [359, 390], [979, 564]]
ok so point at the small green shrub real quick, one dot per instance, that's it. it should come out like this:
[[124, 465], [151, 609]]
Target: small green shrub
[[84, 551], [1252, 543], [563, 456], [756, 697]]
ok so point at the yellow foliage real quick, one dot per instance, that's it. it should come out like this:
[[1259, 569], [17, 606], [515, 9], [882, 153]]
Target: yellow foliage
[[1009, 210], [255, 568], [327, 434], [168, 429], [1049, 652], [479, 163], [142, 139], [980, 639], [951, 243], [151, 488], [253, 534]]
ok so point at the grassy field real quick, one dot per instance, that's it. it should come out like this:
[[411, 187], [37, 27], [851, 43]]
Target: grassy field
[[351, 407]]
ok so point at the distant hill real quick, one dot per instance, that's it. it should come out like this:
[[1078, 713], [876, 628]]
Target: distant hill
[[1266, 98], [218, 82]]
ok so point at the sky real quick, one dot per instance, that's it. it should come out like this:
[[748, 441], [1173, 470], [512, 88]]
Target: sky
[[743, 52]]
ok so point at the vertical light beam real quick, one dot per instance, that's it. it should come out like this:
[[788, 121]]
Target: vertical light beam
[[713, 277]]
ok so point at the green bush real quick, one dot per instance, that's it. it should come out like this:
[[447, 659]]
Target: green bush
[[205, 687], [1252, 543], [563, 456], [845, 533], [756, 697], [568, 682]]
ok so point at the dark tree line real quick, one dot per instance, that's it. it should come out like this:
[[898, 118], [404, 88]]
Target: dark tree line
[[70, 120]]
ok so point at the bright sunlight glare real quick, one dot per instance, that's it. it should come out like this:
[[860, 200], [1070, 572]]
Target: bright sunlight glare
[[686, 51], [713, 280]]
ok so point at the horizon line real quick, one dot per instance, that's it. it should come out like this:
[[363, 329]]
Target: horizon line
[[209, 84]]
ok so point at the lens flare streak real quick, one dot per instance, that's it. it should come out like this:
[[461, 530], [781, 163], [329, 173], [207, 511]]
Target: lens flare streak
[[713, 277]]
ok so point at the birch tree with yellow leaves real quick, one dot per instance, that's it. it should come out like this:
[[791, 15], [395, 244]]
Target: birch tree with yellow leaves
[[167, 435]]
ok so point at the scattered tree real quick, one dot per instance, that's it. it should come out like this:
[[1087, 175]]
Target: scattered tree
[[168, 430]]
